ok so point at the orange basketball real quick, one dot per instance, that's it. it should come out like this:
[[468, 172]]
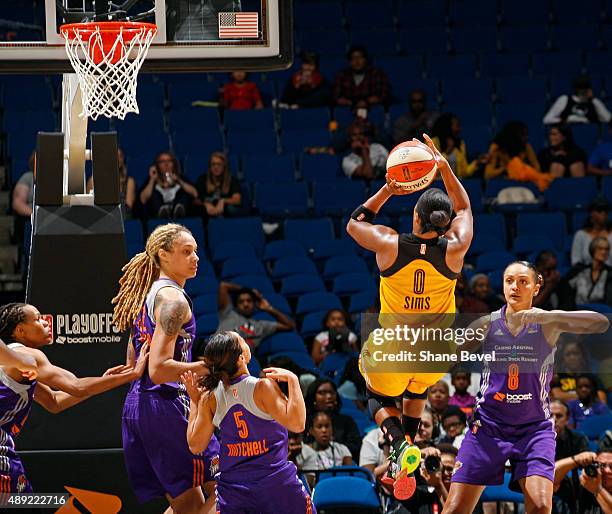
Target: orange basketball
[[413, 165]]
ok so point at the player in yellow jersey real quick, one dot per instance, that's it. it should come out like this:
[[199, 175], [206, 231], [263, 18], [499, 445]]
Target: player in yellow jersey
[[418, 272]]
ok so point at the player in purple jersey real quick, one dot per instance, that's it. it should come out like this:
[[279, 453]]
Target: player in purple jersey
[[512, 419], [54, 388], [152, 303], [252, 416]]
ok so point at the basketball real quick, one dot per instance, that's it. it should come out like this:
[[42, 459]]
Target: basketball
[[413, 165]]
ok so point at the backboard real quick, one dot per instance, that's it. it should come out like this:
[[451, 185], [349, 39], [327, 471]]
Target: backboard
[[193, 35]]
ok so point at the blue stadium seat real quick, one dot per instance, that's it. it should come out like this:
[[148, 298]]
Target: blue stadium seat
[[316, 15], [470, 91], [279, 249], [473, 115], [332, 63], [477, 138], [312, 323], [586, 136], [278, 301], [204, 304], [378, 41], [246, 229], [255, 142], [430, 13], [232, 249], [362, 301], [276, 168], [295, 141], [242, 266], [513, 13], [473, 15], [319, 167], [143, 143], [491, 224], [598, 63], [302, 359], [401, 71], [449, 66], [350, 283], [255, 120], [207, 324], [333, 247], [133, 232], [473, 187], [585, 38], [131, 248], [333, 366], [204, 118], [524, 245], [197, 230], [517, 89], [202, 285], [372, 13], [594, 427], [343, 264], [254, 367], [501, 493], [295, 285], [338, 198], [281, 342], [493, 261], [495, 185], [606, 188], [259, 282], [424, 40], [184, 92], [484, 243], [323, 41], [590, 12], [312, 302], [571, 193], [281, 199], [551, 224], [345, 492], [503, 65], [557, 64], [404, 225], [468, 40], [522, 39], [496, 280], [151, 119], [309, 232], [300, 119], [286, 266], [193, 144], [578, 220]]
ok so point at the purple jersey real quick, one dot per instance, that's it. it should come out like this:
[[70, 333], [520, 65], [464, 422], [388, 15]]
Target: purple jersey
[[252, 443], [514, 388]]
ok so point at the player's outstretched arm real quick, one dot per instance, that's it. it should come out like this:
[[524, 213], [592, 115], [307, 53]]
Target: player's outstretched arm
[[172, 311], [200, 427], [60, 379], [289, 411], [22, 361], [556, 322]]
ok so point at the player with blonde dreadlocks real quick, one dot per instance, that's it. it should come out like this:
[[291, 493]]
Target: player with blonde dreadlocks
[[152, 302]]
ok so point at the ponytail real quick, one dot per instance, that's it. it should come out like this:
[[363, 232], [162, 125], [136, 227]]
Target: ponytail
[[221, 356], [434, 209]]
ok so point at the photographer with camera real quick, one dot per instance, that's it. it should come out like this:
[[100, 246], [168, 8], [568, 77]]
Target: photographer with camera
[[595, 495], [366, 160], [240, 318], [335, 337]]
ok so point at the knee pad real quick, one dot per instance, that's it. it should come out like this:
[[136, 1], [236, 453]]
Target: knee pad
[[378, 401]]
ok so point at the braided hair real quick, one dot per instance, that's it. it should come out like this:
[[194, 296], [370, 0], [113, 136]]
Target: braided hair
[[221, 356], [11, 315], [140, 273]]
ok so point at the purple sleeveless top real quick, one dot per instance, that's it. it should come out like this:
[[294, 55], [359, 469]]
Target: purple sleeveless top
[[142, 332], [15, 403], [514, 389], [253, 444]]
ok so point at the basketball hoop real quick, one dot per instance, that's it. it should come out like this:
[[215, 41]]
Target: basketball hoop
[[106, 56]]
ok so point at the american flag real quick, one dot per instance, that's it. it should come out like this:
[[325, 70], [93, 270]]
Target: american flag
[[234, 25]]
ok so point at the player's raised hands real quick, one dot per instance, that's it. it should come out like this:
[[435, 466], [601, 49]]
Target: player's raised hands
[[280, 374], [440, 159], [394, 188], [192, 385], [118, 370]]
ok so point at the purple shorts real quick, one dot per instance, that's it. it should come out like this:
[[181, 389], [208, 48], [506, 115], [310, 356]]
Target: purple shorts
[[157, 456], [280, 491], [486, 448], [13, 479]]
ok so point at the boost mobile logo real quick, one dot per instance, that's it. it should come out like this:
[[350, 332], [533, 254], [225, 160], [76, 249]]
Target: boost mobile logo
[[512, 398]]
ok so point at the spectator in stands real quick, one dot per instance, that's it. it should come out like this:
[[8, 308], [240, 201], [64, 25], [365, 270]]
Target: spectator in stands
[[127, 186], [429, 430], [446, 135], [548, 297], [562, 157], [240, 319], [360, 85], [454, 423], [352, 384], [461, 380], [581, 107], [438, 396], [307, 87], [417, 121], [587, 404], [460, 291], [330, 453], [570, 447], [336, 332], [596, 225], [592, 283], [574, 361], [322, 395], [374, 454], [302, 455], [219, 192], [22, 199], [240, 94], [480, 298], [366, 160], [600, 160], [511, 155], [166, 194]]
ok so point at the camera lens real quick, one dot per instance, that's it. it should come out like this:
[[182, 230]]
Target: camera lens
[[432, 463], [591, 469]]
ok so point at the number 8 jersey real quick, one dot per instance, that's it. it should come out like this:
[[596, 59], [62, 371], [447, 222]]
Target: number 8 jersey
[[514, 389]]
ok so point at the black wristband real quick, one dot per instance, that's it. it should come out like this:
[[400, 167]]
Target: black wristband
[[362, 213]]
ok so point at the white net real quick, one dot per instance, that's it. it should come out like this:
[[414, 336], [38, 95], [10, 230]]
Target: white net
[[107, 72]]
